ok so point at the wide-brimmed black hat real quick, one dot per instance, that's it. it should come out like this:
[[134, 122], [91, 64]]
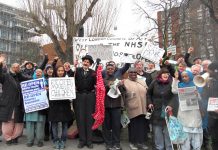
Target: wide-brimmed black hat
[[89, 58]]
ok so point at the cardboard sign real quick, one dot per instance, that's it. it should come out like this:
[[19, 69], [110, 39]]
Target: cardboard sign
[[212, 104], [62, 88]]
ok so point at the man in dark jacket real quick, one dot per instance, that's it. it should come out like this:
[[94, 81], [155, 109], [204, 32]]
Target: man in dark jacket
[[84, 104], [11, 103], [29, 67]]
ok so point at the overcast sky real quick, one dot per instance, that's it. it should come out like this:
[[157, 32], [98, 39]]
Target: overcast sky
[[127, 24]]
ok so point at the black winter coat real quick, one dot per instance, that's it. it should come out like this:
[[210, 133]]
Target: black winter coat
[[60, 111], [160, 95], [11, 98]]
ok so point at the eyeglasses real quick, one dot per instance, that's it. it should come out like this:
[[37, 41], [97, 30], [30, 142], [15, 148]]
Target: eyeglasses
[[132, 72]]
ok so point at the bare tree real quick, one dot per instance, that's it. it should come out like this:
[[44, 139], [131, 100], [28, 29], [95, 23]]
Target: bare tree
[[60, 20], [166, 22], [212, 6], [103, 19]]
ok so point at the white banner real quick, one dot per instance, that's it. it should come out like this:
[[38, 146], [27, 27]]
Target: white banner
[[126, 50], [188, 99], [34, 95], [62, 88]]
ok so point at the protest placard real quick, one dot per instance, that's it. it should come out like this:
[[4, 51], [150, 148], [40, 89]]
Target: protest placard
[[188, 99], [34, 95], [172, 49], [152, 52], [62, 88], [212, 104], [101, 51]]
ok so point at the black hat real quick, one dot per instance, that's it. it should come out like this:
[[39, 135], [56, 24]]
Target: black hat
[[213, 67], [89, 58], [196, 58]]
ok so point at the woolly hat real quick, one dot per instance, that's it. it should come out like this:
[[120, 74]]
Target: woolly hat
[[48, 67], [213, 67], [89, 58], [29, 62]]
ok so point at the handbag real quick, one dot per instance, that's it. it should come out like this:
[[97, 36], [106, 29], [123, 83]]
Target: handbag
[[175, 129]]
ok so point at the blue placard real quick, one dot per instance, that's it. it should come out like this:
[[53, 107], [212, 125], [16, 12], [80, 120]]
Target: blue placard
[[34, 95]]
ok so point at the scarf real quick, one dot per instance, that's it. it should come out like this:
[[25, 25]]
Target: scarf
[[99, 106]]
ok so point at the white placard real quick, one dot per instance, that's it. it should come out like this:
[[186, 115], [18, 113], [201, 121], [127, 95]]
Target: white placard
[[103, 52], [172, 49], [62, 88], [188, 99], [152, 53], [212, 104], [34, 95]]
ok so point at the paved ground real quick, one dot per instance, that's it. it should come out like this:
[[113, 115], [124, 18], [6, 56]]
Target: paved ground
[[70, 145]]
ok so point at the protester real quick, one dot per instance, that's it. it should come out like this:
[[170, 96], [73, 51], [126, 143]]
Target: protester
[[35, 121], [68, 70], [113, 105], [59, 112], [205, 65], [210, 90], [160, 98], [196, 69], [150, 69], [190, 119], [135, 104], [139, 67], [118, 72], [11, 104], [84, 104], [196, 60], [29, 67]]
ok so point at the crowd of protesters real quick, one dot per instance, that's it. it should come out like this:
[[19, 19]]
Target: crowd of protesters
[[140, 89]]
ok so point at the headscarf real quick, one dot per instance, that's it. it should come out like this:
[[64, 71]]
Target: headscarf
[[190, 83]]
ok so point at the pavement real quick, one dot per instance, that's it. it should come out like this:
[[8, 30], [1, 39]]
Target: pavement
[[71, 144]]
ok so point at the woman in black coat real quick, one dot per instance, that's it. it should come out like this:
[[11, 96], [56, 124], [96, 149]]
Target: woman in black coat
[[59, 111], [11, 103]]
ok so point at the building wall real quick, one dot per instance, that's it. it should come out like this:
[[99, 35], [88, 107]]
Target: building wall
[[14, 35], [195, 28]]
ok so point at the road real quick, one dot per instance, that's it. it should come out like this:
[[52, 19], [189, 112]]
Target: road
[[70, 145]]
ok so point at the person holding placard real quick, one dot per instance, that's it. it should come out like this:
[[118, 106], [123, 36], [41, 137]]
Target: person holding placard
[[84, 104], [35, 121], [59, 112], [11, 103], [210, 92], [189, 112]]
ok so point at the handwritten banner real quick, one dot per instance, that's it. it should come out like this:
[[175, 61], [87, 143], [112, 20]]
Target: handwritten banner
[[125, 50], [34, 95], [152, 53], [62, 88]]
